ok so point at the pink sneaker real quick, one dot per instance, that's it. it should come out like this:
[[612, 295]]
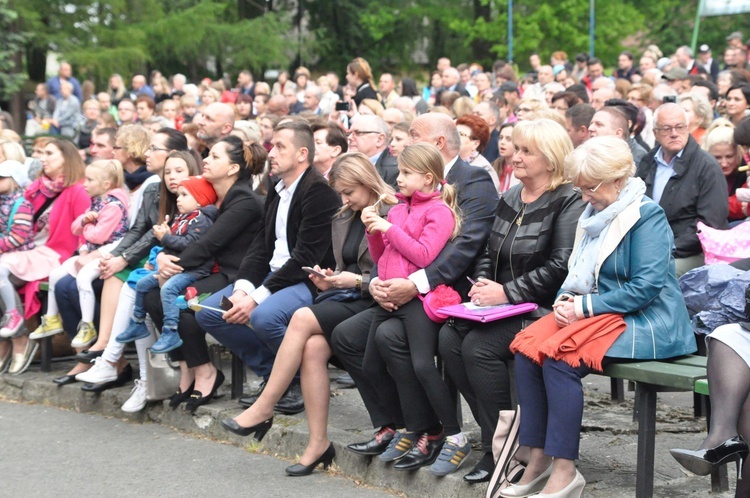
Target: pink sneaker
[[10, 323]]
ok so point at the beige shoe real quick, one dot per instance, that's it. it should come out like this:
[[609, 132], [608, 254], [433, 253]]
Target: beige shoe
[[21, 361], [50, 326]]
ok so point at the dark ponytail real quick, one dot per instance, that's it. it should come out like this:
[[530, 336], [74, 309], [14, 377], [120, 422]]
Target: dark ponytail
[[251, 159]]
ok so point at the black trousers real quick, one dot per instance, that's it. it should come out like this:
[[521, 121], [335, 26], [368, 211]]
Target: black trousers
[[407, 340], [380, 396], [474, 356], [194, 350]]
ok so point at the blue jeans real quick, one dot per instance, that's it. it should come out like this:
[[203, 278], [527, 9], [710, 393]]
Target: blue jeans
[[551, 399], [257, 342], [169, 292]]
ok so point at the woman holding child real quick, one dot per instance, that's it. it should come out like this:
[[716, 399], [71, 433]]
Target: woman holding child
[[51, 204]]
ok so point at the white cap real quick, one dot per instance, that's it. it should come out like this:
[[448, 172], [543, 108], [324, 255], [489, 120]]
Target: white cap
[[13, 169]]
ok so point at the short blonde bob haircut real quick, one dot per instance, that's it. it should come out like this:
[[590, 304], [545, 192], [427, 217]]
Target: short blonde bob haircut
[[600, 159], [135, 139], [550, 140]]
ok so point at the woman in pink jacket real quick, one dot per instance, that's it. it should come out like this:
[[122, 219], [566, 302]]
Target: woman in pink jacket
[[57, 198]]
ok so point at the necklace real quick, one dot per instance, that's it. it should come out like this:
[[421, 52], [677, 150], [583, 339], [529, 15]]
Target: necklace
[[519, 219]]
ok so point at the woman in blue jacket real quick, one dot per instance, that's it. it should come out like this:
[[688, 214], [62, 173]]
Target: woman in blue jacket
[[622, 266]]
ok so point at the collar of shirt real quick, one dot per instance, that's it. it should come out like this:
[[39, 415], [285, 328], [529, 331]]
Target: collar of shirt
[[374, 159], [286, 193], [659, 157], [448, 166]]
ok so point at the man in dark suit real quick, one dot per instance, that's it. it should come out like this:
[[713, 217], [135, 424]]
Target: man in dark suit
[[271, 285], [452, 83], [477, 199], [369, 135]]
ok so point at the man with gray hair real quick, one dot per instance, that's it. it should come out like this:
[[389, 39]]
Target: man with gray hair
[[477, 200], [686, 182], [313, 96], [452, 83], [685, 60], [369, 135], [178, 83], [216, 122]]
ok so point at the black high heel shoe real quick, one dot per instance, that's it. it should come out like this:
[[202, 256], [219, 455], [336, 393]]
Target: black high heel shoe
[[305, 470], [180, 397], [197, 399], [702, 462], [259, 429]]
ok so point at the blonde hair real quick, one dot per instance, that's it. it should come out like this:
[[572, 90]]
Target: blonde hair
[[463, 106], [109, 170], [701, 107], [354, 169], [12, 150], [135, 140], [605, 159], [375, 106], [550, 139], [549, 114], [426, 158], [720, 132]]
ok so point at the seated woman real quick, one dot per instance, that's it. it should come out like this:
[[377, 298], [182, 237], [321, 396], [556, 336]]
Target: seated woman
[[621, 289], [728, 368], [56, 198], [475, 134], [306, 340], [719, 142], [539, 215]]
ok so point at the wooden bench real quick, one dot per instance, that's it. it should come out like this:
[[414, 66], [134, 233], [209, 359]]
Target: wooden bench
[[687, 373]]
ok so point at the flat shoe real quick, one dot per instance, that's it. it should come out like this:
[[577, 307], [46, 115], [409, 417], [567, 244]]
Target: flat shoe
[[88, 355], [122, 378], [64, 380]]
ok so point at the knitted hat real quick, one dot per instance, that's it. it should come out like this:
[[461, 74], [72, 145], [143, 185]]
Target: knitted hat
[[202, 191]]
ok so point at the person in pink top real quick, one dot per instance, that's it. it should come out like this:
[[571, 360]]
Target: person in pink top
[[102, 227], [412, 237], [57, 198]]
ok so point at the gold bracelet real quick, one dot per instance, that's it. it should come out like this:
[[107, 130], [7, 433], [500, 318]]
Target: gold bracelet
[[358, 282]]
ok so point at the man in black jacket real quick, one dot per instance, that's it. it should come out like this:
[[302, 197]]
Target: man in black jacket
[[477, 199], [686, 181], [271, 285]]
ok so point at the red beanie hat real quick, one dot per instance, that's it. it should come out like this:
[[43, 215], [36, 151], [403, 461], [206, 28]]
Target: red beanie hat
[[202, 191]]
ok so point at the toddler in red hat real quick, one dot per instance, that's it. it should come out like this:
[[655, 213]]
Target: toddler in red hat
[[195, 199]]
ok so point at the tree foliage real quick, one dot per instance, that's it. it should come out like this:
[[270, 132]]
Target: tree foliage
[[11, 46]]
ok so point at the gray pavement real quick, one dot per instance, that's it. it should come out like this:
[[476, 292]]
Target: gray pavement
[[608, 442], [47, 451]]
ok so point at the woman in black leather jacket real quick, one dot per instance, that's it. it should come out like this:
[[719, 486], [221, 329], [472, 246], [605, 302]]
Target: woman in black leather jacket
[[525, 261]]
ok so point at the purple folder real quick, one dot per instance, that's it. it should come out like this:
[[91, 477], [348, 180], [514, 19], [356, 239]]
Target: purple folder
[[487, 313]]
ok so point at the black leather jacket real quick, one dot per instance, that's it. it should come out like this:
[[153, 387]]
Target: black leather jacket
[[540, 248], [139, 240]]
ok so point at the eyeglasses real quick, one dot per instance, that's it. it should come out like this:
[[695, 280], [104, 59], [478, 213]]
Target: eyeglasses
[[116, 148], [665, 130], [157, 149], [466, 135], [589, 191], [359, 133]]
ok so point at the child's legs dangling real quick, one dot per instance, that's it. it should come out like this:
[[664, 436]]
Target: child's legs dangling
[[7, 290], [67, 268], [84, 279]]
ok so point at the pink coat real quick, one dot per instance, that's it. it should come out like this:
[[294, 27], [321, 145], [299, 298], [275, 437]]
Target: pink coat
[[421, 226]]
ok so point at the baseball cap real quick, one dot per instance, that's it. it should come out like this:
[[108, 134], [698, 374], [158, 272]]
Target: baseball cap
[[16, 170], [508, 86], [735, 35], [703, 49], [676, 73]]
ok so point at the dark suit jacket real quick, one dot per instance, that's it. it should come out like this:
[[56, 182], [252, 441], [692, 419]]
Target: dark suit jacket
[[387, 167], [477, 200], [460, 88], [491, 151], [238, 223], [308, 232]]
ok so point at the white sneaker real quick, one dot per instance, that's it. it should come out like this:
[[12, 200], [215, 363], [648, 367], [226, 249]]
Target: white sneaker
[[100, 373], [137, 401]]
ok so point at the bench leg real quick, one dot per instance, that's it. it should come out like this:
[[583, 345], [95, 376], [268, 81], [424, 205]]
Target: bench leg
[[617, 388], [238, 376], [645, 401], [46, 355]]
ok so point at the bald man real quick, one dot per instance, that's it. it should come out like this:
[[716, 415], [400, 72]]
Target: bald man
[[477, 200], [216, 123]]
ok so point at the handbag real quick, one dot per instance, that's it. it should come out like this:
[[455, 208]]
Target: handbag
[[340, 295], [163, 377], [724, 246], [508, 470], [439, 297]]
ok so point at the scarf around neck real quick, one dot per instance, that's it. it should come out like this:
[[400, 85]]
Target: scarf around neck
[[581, 277], [50, 188], [136, 178]]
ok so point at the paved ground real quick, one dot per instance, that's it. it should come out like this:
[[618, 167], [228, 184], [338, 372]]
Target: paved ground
[[608, 444], [52, 452]]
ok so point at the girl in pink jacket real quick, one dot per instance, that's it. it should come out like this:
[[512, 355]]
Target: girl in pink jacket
[[102, 227], [415, 233]]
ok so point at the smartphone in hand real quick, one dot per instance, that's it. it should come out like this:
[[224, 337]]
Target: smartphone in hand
[[314, 271], [225, 303]]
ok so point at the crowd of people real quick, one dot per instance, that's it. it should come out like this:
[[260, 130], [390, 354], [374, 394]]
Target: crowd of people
[[318, 215]]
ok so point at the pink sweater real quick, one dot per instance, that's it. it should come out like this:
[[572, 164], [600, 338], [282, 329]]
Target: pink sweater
[[421, 226], [70, 203], [110, 224]]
